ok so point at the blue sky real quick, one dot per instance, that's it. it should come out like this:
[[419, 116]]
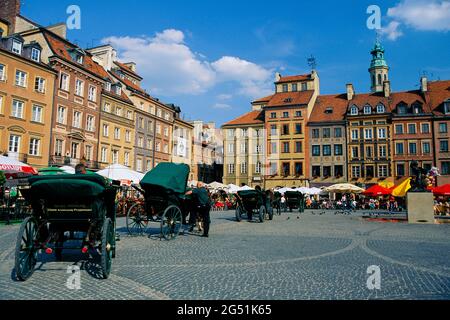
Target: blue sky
[[213, 58]]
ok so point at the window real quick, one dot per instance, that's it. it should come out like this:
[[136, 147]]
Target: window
[[244, 133], [79, 59], [443, 127], [90, 123], [381, 108], [425, 128], [285, 114], [443, 145], [426, 149], [74, 150], [258, 149], [231, 133], [356, 171], [273, 130], [369, 152], [402, 109], [14, 143], [158, 127], [355, 134], [338, 132], [294, 87], [150, 144], [273, 147], [149, 165], [445, 168], [159, 113], [304, 86], [354, 111], [316, 151], [158, 146], [400, 169], [286, 147], [244, 147], [298, 114], [327, 150], [88, 153], [382, 152], [1, 104], [61, 115], [258, 167], [315, 133], [244, 168], [107, 107], [338, 171], [128, 136], [105, 130], [412, 148], [327, 171], [417, 109], [39, 85], [2, 72], [285, 88], [382, 171], [286, 167], [355, 152], [298, 147], [166, 131], [399, 148], [368, 134], [130, 115], [446, 106], [139, 165], [64, 82], [367, 109], [21, 78], [257, 133], [115, 156], [411, 128], [126, 159], [140, 142], [17, 47], [117, 133], [76, 119], [327, 133], [17, 109], [79, 87], [92, 94], [299, 169], [381, 133], [35, 54], [231, 168], [108, 86], [36, 114], [231, 148], [285, 129], [338, 150], [399, 129], [316, 171], [119, 90], [59, 147], [104, 155]]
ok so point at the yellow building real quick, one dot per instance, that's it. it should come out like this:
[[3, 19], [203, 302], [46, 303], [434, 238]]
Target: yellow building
[[117, 128], [182, 141], [26, 100]]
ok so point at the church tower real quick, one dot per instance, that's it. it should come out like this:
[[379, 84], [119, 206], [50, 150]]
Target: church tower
[[379, 70]]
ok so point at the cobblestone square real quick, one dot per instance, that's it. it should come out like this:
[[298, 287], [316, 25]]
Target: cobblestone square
[[307, 256]]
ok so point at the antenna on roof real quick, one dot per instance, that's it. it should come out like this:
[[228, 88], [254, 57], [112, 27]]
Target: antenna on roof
[[312, 62]]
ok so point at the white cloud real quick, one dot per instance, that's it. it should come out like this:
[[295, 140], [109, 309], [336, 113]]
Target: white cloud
[[222, 106], [425, 15], [392, 31], [169, 66], [224, 96]]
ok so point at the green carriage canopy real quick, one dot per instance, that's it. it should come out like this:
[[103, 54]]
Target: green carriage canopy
[[171, 176]]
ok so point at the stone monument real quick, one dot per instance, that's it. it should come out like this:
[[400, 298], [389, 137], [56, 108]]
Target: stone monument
[[419, 199]]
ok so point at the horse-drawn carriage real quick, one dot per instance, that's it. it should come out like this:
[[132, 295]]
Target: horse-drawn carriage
[[253, 202], [295, 200], [63, 207], [164, 190]]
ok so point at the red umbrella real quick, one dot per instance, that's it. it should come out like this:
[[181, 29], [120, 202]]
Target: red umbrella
[[377, 190], [442, 190], [9, 165]]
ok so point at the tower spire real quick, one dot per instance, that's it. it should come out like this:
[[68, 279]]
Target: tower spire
[[379, 69]]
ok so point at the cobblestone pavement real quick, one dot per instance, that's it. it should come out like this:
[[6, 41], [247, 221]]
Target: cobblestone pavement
[[292, 257]]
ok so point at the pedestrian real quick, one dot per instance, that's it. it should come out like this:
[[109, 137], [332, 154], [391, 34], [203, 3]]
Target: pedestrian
[[283, 203], [203, 205], [80, 169]]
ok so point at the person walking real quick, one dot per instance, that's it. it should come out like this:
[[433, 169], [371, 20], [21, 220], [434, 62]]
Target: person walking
[[203, 205]]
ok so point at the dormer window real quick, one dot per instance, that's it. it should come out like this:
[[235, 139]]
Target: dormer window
[[367, 110], [108, 86], [288, 100], [35, 54], [17, 47], [79, 59], [402, 109], [285, 88], [417, 108], [354, 111], [304, 86], [447, 106], [329, 110], [118, 90], [381, 108]]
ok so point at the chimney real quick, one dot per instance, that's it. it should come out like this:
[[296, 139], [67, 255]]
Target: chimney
[[131, 65], [10, 10], [60, 29], [350, 91], [424, 84], [277, 77], [387, 88]]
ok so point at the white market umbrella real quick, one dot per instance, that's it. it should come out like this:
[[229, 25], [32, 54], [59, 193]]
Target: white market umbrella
[[344, 188], [121, 173], [68, 170], [10, 165], [216, 185], [315, 191]]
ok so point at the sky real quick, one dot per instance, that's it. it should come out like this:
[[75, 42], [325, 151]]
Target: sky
[[212, 58]]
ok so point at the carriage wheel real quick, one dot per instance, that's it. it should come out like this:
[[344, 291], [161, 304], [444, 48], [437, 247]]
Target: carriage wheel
[[26, 250], [271, 214], [171, 223], [137, 221], [262, 214], [107, 247], [238, 213]]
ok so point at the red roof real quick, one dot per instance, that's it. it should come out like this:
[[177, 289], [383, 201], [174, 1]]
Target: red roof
[[61, 49], [127, 69], [337, 104], [265, 99], [302, 77], [284, 99], [439, 92], [253, 117]]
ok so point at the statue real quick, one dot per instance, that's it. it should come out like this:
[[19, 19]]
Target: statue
[[419, 182]]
